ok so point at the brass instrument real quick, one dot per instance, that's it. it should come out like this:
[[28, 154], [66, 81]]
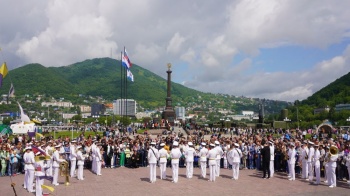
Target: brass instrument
[[64, 171], [333, 151], [42, 158]]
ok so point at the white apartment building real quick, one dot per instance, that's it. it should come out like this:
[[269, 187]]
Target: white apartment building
[[120, 105], [57, 104], [180, 112]]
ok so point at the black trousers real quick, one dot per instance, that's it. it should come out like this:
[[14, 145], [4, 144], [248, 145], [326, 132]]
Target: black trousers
[[266, 169]]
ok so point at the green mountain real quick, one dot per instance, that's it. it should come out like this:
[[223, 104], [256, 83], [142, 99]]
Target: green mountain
[[337, 92], [102, 78], [96, 77]]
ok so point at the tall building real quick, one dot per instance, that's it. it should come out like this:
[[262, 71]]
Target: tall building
[[97, 109], [180, 113], [124, 107]]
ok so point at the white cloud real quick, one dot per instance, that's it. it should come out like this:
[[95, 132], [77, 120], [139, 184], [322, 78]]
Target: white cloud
[[218, 41], [175, 43]]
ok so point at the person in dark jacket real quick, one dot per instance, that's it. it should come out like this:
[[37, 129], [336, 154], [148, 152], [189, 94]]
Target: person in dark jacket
[[265, 154]]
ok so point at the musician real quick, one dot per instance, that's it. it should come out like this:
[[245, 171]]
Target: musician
[[317, 164], [80, 163], [310, 161], [235, 156], [49, 151], [203, 159], [73, 157], [40, 167], [291, 161], [220, 152], [163, 157], [29, 161], [326, 164], [175, 155], [304, 157], [347, 164], [322, 155], [212, 162], [332, 165], [266, 155], [153, 156], [55, 164]]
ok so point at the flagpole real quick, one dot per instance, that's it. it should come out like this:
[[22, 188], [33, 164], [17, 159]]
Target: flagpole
[[121, 86], [125, 95]]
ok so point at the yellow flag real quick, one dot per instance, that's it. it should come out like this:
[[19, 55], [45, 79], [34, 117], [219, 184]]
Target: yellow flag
[[50, 188], [3, 70], [39, 135]]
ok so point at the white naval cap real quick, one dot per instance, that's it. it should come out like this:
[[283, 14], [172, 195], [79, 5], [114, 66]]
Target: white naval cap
[[162, 144], [58, 145], [175, 143], [153, 143], [213, 145], [203, 143], [28, 148], [190, 143], [311, 143], [217, 142], [236, 144]]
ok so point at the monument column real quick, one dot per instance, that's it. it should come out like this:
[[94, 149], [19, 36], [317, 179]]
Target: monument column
[[169, 113]]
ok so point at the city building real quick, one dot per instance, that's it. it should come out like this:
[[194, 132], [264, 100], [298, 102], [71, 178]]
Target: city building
[[85, 108], [124, 107], [64, 104], [97, 109], [180, 113], [319, 110], [247, 113], [341, 107]]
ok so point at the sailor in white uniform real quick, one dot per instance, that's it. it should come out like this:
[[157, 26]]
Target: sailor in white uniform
[[153, 156], [203, 159], [236, 155], [80, 163], [189, 155], [56, 160], [219, 154], [40, 167], [73, 158], [212, 162], [317, 164], [29, 161], [99, 159], [163, 157], [310, 161], [332, 165], [175, 155]]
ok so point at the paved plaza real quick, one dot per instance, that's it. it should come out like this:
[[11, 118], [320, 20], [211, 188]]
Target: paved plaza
[[125, 181]]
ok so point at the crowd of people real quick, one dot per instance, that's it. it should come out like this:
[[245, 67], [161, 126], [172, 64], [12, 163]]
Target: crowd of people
[[263, 150]]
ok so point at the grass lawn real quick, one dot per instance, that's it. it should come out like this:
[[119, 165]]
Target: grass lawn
[[64, 134]]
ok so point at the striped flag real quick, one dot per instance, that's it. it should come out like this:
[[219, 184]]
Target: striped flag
[[11, 91], [125, 60], [129, 75]]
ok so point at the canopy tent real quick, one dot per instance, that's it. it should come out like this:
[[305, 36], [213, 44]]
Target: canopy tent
[[5, 129]]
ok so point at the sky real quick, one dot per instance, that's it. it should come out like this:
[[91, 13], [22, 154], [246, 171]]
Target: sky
[[276, 49]]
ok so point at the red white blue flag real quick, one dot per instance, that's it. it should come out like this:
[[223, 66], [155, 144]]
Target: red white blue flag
[[125, 60]]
